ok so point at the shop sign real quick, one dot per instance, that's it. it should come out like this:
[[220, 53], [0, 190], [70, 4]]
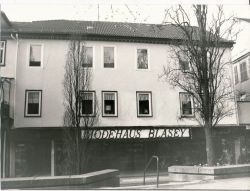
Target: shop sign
[[135, 133]]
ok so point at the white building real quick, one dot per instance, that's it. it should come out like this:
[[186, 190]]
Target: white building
[[241, 67], [127, 60]]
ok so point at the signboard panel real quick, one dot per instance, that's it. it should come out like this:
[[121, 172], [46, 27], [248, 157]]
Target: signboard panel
[[136, 133]]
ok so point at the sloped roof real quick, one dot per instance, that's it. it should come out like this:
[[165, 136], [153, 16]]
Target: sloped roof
[[99, 28], [245, 19], [130, 31]]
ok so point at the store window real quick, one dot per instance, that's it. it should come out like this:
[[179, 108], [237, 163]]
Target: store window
[[87, 103], [33, 103], [144, 104], [35, 55], [142, 58], [2, 53], [109, 61], [88, 57], [32, 159], [109, 102], [186, 102]]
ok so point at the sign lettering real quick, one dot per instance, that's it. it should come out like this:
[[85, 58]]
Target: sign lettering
[[135, 133]]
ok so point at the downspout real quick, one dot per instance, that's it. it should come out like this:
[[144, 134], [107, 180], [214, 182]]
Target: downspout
[[11, 156]]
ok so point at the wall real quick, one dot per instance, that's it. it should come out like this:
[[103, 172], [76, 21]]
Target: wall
[[244, 110], [124, 78], [243, 39]]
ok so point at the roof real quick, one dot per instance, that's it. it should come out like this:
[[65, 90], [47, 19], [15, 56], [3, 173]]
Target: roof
[[245, 19], [114, 30]]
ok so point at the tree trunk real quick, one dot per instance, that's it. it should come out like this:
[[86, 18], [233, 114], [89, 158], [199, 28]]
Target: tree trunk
[[209, 146]]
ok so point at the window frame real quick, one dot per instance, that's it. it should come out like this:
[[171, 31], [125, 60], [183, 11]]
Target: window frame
[[136, 59], [150, 104], [4, 53], [116, 104], [192, 106], [93, 104], [93, 57], [41, 62], [26, 104], [109, 46]]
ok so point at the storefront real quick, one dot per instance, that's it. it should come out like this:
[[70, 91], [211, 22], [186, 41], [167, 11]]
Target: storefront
[[39, 152]]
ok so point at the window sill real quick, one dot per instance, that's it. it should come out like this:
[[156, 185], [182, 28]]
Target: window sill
[[187, 116], [141, 116], [109, 115], [92, 115]]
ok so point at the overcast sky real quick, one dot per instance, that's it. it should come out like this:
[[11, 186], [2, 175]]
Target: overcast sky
[[146, 11]]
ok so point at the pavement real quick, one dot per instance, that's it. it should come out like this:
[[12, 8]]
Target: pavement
[[136, 183]]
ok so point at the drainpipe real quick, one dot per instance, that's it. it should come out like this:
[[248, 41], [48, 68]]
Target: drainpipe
[[12, 146]]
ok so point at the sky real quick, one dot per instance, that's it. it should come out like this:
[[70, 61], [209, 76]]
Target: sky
[[143, 11]]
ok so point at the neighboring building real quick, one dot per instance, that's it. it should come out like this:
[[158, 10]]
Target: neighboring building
[[141, 115], [241, 69]]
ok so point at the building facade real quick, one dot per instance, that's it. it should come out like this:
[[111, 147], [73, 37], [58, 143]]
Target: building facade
[[141, 115], [241, 69]]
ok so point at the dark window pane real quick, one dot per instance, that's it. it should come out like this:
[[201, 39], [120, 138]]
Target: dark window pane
[[236, 75], [33, 108], [1, 56], [109, 107], [142, 59], [109, 57], [35, 55], [34, 63], [184, 65], [88, 58], [243, 72], [87, 107], [144, 107], [186, 108]]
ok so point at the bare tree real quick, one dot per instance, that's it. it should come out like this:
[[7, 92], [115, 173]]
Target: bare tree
[[208, 77], [77, 82]]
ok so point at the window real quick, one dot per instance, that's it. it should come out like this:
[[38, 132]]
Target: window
[[184, 65], [142, 58], [243, 71], [186, 103], [236, 77], [35, 55], [88, 57], [2, 53], [144, 104], [33, 102], [87, 103], [109, 57], [109, 103]]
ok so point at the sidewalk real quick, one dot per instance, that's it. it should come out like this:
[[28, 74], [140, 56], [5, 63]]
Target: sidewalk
[[242, 183], [132, 183]]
